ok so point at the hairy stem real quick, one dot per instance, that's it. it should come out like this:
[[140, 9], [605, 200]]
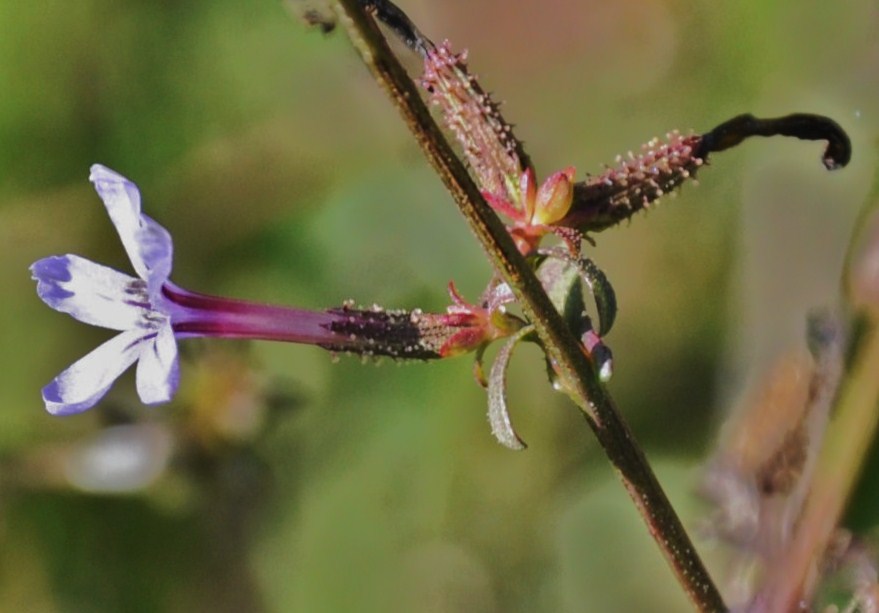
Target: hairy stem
[[563, 349]]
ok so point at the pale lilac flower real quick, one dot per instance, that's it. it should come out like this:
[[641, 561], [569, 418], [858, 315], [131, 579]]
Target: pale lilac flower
[[103, 297], [151, 313]]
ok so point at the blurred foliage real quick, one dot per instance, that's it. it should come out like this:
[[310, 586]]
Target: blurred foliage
[[298, 484]]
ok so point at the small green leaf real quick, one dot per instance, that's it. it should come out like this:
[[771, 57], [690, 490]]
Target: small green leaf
[[558, 278], [558, 274], [498, 415], [602, 292]]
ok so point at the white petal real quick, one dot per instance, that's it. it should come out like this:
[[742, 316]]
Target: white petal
[[147, 243], [158, 369], [91, 293], [82, 385]]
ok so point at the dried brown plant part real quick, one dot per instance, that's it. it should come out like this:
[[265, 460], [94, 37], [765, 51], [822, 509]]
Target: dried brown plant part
[[762, 471], [770, 421]]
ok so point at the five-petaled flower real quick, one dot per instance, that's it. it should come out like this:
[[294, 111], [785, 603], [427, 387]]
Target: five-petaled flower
[[151, 313], [103, 297]]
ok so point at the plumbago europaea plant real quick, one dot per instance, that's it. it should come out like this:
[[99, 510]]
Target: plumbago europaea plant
[[566, 355], [561, 206], [151, 313]]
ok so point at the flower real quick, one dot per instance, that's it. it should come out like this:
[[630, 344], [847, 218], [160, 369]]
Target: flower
[[537, 209], [151, 313], [103, 297]]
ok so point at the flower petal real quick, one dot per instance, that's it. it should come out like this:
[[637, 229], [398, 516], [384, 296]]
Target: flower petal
[[84, 383], [147, 243], [91, 293], [158, 371]]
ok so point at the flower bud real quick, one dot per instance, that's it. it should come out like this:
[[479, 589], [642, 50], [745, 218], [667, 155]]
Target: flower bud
[[555, 197]]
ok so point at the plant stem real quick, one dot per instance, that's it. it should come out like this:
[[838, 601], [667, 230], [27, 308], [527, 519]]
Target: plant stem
[[563, 349]]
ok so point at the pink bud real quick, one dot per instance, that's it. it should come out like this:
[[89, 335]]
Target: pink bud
[[555, 197]]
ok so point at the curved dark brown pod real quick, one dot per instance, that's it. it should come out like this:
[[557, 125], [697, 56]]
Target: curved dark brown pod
[[660, 167], [804, 126]]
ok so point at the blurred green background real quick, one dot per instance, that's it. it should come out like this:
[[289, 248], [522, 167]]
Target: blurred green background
[[279, 480]]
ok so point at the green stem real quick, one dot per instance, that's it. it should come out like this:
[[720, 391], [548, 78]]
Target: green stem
[[562, 347]]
